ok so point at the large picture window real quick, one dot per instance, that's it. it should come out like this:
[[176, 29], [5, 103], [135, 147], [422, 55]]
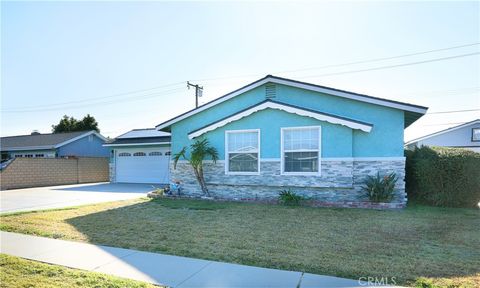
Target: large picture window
[[301, 150], [242, 151]]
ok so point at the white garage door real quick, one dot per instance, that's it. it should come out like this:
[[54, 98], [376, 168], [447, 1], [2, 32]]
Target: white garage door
[[147, 165]]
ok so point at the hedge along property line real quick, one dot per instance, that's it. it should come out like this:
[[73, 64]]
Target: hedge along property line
[[446, 177]]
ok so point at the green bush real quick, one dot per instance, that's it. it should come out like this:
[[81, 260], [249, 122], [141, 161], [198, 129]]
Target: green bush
[[446, 177], [287, 197], [380, 188]]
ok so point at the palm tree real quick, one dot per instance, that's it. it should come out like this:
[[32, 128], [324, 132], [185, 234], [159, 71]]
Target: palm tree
[[199, 150]]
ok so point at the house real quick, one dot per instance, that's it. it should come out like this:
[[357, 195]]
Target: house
[[278, 133], [140, 156], [466, 136], [83, 143]]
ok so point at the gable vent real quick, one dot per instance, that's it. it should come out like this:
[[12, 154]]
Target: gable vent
[[270, 91]]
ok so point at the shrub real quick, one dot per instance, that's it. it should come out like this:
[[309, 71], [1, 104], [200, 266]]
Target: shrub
[[287, 197], [446, 177], [380, 188]]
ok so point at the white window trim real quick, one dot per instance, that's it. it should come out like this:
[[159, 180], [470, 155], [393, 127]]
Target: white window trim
[[473, 133], [227, 157], [282, 152]]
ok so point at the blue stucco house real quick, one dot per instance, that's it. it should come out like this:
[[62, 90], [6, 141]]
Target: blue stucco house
[[36, 145], [278, 133]]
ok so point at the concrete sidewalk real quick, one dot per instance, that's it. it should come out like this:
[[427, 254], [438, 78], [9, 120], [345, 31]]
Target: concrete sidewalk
[[173, 271]]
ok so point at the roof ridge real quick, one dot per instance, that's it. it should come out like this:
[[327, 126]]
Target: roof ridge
[[278, 80], [45, 134]]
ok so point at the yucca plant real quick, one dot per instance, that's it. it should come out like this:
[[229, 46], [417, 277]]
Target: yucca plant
[[380, 188], [199, 151], [289, 198]]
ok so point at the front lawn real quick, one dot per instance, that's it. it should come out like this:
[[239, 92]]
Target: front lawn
[[442, 245], [18, 272]]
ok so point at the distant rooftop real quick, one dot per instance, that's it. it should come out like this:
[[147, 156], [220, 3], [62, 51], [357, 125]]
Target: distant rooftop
[[144, 133], [37, 141]]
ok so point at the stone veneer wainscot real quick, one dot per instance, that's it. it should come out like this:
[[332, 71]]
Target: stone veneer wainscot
[[340, 180]]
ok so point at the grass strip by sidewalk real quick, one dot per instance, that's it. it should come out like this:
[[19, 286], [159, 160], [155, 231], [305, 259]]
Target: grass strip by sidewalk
[[18, 272]]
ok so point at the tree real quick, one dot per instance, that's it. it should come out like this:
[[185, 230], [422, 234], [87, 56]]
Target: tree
[[70, 124], [199, 150]]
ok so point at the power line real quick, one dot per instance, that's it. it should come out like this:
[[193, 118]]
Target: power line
[[380, 59], [456, 123], [392, 66], [96, 98], [133, 98], [345, 64], [453, 111], [50, 108]]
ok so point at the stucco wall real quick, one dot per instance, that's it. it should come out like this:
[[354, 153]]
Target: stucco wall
[[35, 172], [84, 148], [385, 139], [336, 139], [461, 137]]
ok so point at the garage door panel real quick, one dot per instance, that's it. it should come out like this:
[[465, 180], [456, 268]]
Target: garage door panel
[[142, 169]]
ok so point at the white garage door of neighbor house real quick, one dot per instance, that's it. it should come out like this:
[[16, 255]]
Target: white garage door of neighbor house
[[147, 165]]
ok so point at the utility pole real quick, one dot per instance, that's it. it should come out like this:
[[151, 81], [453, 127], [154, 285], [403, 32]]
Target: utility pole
[[198, 91]]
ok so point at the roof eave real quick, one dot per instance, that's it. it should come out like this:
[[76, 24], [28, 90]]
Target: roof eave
[[28, 148], [270, 104], [135, 144]]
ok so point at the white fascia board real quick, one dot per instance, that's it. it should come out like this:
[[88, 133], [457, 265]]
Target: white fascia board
[[80, 137], [136, 144], [213, 103], [289, 109], [442, 132], [306, 86]]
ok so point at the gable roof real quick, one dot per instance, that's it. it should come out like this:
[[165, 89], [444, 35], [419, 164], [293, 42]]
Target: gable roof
[[270, 104], [443, 131], [43, 141], [135, 137], [413, 112]]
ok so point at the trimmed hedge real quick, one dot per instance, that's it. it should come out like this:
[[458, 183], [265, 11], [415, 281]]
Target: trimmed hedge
[[446, 177]]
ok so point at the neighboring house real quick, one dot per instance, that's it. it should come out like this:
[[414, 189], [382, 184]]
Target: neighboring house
[[465, 136], [140, 156], [277, 133], [83, 143]]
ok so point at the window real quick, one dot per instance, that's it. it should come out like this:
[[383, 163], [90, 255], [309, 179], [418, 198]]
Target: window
[[242, 152], [39, 155], [139, 154], [168, 153], [476, 135], [301, 150], [155, 153], [29, 155], [90, 138], [18, 155], [124, 154]]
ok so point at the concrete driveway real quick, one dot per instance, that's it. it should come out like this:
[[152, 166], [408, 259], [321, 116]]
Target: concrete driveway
[[68, 195]]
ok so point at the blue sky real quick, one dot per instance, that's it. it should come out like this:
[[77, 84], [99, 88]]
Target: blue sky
[[76, 58]]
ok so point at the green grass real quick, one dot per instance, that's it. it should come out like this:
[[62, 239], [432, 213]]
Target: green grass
[[431, 246], [18, 272]]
